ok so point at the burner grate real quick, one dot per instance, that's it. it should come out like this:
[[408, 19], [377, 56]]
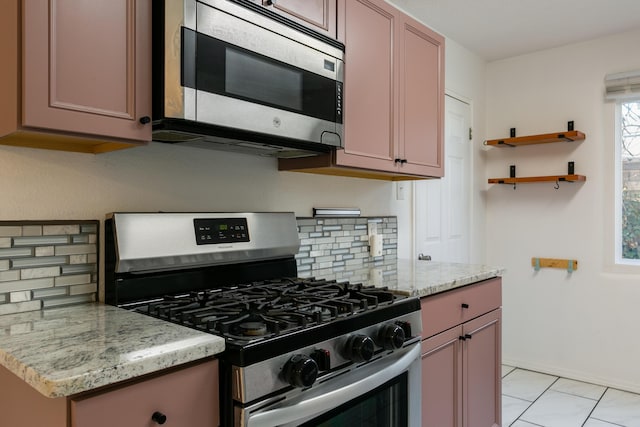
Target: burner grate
[[260, 310]]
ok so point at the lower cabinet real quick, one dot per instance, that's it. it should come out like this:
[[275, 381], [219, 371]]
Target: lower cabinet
[[176, 398], [188, 397], [461, 365]]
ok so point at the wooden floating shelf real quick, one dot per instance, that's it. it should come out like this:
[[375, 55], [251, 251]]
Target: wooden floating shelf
[[566, 264], [529, 179], [547, 138]]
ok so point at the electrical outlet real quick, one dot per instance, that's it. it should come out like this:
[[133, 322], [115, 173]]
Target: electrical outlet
[[375, 245], [372, 228], [400, 190]]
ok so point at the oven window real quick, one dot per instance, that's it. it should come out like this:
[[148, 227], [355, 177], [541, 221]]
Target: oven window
[[383, 407]]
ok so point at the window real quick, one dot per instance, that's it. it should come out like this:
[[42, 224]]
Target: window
[[628, 182]]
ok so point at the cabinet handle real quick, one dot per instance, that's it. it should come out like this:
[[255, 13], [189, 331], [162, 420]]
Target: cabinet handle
[[397, 161], [465, 305], [159, 417], [403, 161], [467, 336], [145, 120], [461, 338]]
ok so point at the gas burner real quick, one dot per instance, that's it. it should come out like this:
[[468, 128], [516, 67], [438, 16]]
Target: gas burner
[[253, 328]]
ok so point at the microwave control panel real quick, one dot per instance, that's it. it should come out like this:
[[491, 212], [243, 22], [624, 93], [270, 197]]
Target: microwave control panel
[[211, 231]]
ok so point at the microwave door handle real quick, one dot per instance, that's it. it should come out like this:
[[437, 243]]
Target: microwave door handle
[[322, 403]]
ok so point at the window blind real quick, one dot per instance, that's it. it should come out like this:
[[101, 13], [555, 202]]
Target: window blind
[[622, 86]]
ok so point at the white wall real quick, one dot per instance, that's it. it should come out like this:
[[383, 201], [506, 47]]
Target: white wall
[[465, 75], [581, 325]]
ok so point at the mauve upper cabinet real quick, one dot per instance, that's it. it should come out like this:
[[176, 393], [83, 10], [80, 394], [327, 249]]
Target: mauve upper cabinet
[[394, 91], [78, 74], [393, 97]]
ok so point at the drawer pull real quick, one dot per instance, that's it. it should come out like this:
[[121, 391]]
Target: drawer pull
[[464, 305], [464, 337], [467, 336], [159, 417]]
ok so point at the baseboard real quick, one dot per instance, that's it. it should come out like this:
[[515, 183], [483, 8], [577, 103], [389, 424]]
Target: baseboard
[[573, 375]]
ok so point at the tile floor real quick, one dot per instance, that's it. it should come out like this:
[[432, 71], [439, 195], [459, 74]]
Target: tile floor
[[531, 399]]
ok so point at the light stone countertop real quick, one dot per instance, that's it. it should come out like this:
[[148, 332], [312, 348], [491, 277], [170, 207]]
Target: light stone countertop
[[413, 277], [424, 278], [69, 350]]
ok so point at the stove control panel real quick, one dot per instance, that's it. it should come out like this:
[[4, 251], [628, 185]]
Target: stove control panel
[[212, 231]]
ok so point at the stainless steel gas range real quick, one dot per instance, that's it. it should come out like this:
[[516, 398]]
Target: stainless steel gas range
[[298, 351]]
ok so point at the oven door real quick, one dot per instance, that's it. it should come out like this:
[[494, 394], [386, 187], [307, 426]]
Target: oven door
[[384, 392]]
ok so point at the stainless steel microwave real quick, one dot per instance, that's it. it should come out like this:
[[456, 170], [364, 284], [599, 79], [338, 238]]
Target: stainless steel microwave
[[232, 75]]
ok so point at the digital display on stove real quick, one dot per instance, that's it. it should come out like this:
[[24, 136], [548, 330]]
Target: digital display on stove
[[211, 231]]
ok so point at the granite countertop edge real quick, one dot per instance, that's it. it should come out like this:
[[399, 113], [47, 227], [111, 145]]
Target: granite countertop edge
[[412, 277], [451, 284], [95, 345]]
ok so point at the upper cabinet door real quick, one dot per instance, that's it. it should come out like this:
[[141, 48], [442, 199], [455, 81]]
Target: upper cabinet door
[[319, 15], [87, 67], [393, 97], [370, 85], [421, 101]]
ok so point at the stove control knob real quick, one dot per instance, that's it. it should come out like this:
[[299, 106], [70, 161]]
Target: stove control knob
[[391, 336], [300, 371], [359, 348]]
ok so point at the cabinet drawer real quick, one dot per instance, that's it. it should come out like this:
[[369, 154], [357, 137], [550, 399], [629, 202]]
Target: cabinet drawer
[[448, 309], [187, 397]]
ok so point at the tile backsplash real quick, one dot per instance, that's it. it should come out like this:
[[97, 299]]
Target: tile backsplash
[[47, 264], [341, 245], [53, 263]]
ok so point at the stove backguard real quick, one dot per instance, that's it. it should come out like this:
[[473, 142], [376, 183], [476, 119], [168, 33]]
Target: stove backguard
[[151, 255]]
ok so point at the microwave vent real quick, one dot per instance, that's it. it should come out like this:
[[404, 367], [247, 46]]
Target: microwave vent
[[229, 144]]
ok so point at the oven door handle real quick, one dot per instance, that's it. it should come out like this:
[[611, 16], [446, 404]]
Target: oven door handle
[[324, 402]]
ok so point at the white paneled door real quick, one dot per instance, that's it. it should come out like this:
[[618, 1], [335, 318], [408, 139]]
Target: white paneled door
[[442, 206]]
